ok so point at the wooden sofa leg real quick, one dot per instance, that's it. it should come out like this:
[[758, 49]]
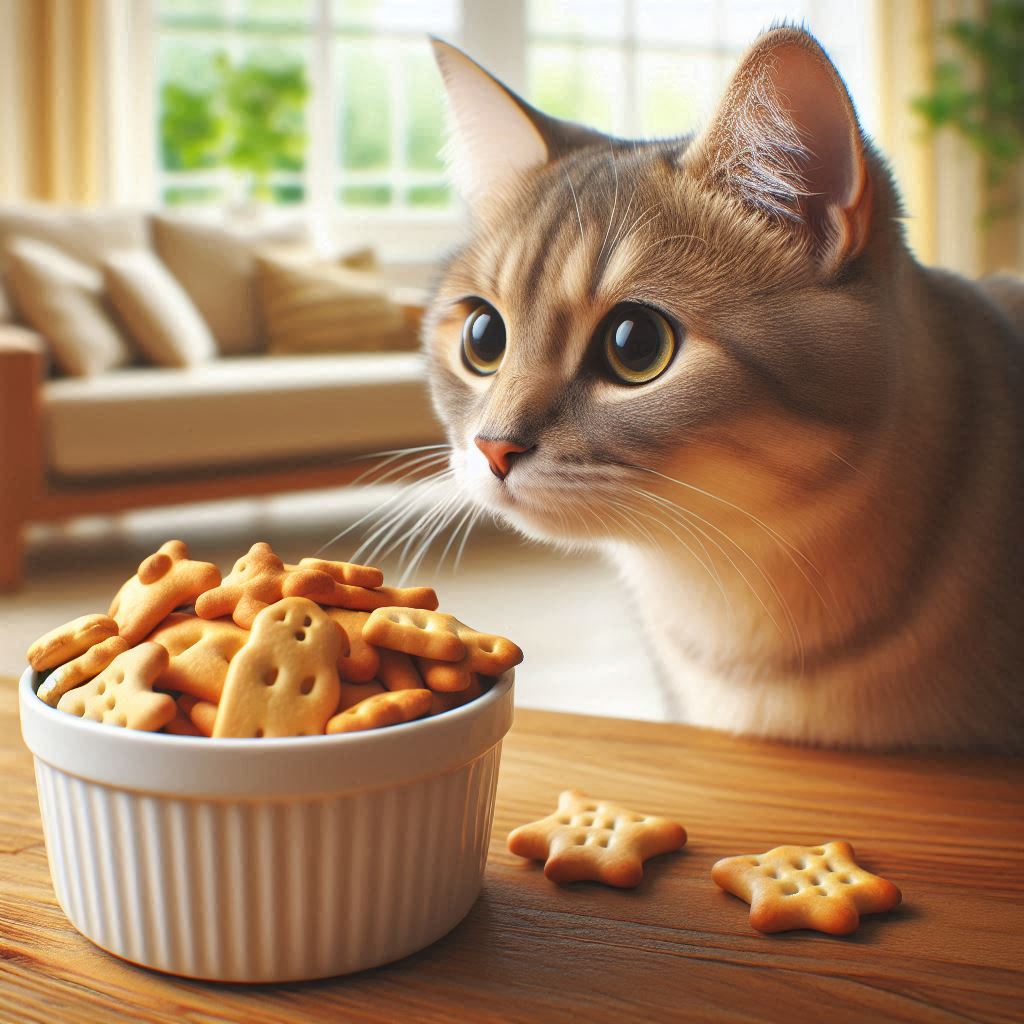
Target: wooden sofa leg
[[21, 445], [11, 557]]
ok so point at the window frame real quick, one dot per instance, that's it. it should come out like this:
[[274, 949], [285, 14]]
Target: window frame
[[496, 33]]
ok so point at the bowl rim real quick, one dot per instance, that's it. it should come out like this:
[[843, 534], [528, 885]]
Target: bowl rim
[[285, 767]]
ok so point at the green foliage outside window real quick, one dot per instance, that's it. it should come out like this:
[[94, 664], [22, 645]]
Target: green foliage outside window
[[251, 118], [981, 94]]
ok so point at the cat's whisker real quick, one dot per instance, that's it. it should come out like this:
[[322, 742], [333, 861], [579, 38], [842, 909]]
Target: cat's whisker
[[390, 455], [384, 530], [466, 516], [615, 201], [714, 497], [427, 527], [677, 510], [406, 498], [396, 518], [402, 535], [465, 538], [773, 590], [621, 237], [672, 238], [417, 465], [576, 202], [789, 549], [628, 516], [622, 221], [640, 223], [846, 462], [443, 515], [644, 256], [710, 567]]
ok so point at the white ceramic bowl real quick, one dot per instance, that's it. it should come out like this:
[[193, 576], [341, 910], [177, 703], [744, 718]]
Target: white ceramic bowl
[[272, 859]]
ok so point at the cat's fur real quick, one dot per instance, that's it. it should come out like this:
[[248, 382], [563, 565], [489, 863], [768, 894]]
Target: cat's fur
[[818, 507]]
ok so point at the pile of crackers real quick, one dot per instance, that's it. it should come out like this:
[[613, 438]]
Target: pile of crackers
[[270, 650]]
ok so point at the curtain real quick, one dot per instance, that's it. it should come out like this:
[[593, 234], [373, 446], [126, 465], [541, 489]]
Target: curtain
[[76, 107], [942, 178]]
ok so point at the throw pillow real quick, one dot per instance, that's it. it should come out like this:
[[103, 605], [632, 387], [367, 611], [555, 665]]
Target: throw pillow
[[85, 235], [326, 308], [161, 317], [63, 300], [216, 266]]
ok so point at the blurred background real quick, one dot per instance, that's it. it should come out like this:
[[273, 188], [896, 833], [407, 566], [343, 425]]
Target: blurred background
[[319, 123]]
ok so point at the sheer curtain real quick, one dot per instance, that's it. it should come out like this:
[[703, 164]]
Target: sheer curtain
[[77, 123], [942, 178]]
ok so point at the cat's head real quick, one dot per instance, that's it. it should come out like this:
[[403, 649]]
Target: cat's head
[[708, 308]]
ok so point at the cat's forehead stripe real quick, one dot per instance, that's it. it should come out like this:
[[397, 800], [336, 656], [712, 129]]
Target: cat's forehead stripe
[[579, 243]]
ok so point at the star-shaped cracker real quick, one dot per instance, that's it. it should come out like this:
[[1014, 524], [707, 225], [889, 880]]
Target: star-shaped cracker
[[819, 887], [597, 841]]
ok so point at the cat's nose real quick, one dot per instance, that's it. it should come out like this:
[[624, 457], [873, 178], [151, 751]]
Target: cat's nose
[[499, 453]]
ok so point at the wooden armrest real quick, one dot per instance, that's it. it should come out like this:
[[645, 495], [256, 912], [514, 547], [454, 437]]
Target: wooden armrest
[[14, 339], [22, 367]]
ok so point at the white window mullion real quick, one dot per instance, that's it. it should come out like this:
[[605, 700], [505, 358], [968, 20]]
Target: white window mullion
[[399, 126], [495, 35], [322, 122], [631, 114]]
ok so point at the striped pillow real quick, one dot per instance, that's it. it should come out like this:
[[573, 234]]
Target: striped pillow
[[321, 307]]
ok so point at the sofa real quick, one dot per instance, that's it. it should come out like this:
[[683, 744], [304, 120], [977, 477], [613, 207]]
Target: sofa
[[215, 360]]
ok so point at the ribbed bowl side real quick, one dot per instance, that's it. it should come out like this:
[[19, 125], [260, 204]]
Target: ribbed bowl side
[[268, 891]]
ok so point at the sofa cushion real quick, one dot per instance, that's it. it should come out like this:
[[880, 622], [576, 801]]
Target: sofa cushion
[[236, 411], [162, 319], [63, 300], [315, 308], [88, 236], [216, 265]]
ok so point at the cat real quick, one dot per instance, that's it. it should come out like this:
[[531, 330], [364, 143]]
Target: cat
[[714, 358]]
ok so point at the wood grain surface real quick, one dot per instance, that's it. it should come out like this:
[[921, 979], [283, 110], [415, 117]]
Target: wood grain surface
[[946, 829]]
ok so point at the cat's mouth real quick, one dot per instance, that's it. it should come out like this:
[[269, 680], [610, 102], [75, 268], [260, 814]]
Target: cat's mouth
[[546, 506]]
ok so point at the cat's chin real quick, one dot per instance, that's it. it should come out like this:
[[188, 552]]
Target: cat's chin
[[539, 522]]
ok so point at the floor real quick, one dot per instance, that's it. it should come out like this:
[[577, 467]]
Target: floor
[[566, 612]]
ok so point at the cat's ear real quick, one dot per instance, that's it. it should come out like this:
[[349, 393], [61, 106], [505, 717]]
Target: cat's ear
[[494, 135], [786, 140]]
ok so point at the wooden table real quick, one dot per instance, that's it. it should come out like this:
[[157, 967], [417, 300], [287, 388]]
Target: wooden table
[[948, 830]]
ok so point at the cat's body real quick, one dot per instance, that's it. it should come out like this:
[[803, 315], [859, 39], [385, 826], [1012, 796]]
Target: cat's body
[[817, 499], [909, 541]]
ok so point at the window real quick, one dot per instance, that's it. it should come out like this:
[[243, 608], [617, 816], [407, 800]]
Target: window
[[302, 101], [337, 104], [657, 67]]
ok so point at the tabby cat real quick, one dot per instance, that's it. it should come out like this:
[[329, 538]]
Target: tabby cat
[[714, 358]]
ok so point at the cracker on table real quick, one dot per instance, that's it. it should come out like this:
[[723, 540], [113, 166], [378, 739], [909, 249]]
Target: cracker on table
[[594, 840], [818, 887]]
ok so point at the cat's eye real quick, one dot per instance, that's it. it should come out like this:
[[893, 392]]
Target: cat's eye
[[483, 340], [638, 343]]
